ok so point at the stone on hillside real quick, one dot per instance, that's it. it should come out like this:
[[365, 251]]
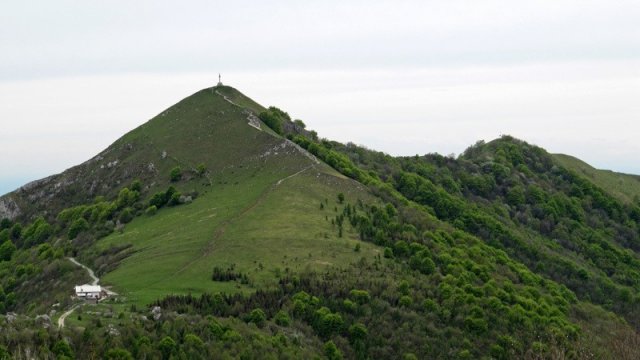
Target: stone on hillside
[[156, 312]]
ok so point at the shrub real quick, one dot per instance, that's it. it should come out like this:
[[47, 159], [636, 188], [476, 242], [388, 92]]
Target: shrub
[[257, 316], [126, 215], [78, 226], [176, 174], [360, 296], [405, 301], [201, 169], [272, 120], [331, 351], [282, 318], [62, 348], [167, 346], [357, 332], [6, 250], [136, 185], [300, 123], [118, 354], [151, 210]]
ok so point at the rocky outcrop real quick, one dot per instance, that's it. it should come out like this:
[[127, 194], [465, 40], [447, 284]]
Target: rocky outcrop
[[8, 208]]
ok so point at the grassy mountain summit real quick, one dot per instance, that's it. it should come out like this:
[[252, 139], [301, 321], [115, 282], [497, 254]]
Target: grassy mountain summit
[[229, 230]]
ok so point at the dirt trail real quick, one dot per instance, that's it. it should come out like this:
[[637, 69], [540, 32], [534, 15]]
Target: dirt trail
[[95, 281], [64, 316], [89, 271]]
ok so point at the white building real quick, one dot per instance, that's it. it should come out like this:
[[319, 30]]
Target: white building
[[89, 291]]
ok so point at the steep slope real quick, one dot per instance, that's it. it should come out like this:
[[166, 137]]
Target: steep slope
[[206, 128], [625, 187], [514, 196], [256, 195]]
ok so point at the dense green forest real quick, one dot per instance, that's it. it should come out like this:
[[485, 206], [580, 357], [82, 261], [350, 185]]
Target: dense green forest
[[500, 253]]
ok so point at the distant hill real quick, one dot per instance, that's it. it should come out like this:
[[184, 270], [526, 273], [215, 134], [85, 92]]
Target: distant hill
[[228, 230], [625, 187]]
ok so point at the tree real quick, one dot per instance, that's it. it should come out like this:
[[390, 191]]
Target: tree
[[118, 354], [257, 316], [5, 224], [176, 174], [300, 123], [282, 318], [78, 226], [167, 347], [360, 296], [136, 185], [4, 353], [331, 351], [6, 250], [62, 348], [272, 120], [340, 198], [16, 231], [194, 347], [357, 332]]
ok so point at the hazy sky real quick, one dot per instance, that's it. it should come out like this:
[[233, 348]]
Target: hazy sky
[[404, 77]]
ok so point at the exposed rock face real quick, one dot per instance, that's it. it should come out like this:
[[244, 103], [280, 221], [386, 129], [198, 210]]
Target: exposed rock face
[[156, 312], [8, 208], [44, 321]]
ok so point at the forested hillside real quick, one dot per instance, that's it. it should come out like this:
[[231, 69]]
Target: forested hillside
[[240, 244]]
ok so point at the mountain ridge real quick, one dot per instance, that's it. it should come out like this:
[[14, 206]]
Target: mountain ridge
[[263, 240]]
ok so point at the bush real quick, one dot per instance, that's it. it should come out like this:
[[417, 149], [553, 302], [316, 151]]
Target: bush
[[118, 354], [300, 123], [405, 301], [6, 250], [357, 332], [282, 318], [78, 226], [136, 185], [167, 346], [151, 210], [258, 317], [360, 296], [272, 120], [176, 174], [201, 169], [175, 199], [126, 215], [62, 348], [331, 351]]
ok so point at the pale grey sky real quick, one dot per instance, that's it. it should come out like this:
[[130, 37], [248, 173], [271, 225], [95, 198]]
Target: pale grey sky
[[404, 77]]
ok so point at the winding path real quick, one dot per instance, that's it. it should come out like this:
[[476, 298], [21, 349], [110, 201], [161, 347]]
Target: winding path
[[95, 281], [64, 316], [89, 271]]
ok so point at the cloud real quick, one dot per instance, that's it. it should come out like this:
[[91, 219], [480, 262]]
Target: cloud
[[68, 38]]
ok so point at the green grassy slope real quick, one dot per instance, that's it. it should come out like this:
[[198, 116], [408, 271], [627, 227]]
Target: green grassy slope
[[625, 187], [261, 225], [258, 207]]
